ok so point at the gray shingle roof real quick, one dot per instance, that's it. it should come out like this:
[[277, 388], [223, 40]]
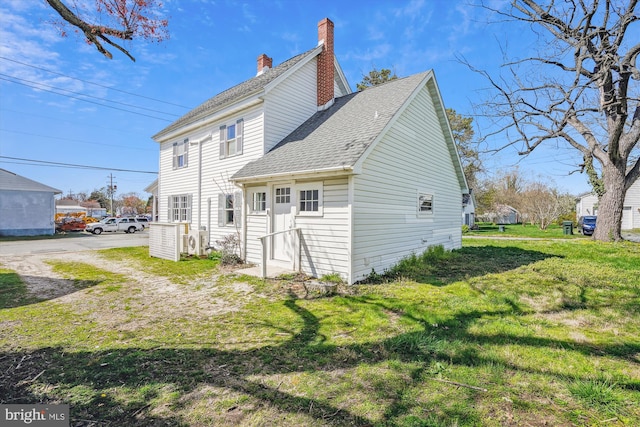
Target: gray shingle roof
[[336, 137], [13, 182], [233, 94]]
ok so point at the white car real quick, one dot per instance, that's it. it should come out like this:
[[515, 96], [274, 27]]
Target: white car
[[128, 225]]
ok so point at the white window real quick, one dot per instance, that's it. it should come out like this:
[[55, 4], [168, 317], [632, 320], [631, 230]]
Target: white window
[[231, 139], [283, 195], [425, 203], [180, 208], [258, 202], [180, 154], [228, 209], [310, 199]]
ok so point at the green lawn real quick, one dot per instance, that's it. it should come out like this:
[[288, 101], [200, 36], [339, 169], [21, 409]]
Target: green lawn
[[524, 230], [500, 332]]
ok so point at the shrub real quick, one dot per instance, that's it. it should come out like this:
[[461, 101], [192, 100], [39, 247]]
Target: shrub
[[465, 228], [331, 278], [571, 216], [229, 249]]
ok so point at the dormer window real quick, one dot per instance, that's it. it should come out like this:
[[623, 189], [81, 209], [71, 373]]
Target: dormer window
[[231, 138]]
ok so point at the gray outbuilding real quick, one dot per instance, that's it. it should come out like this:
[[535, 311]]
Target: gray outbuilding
[[27, 207]]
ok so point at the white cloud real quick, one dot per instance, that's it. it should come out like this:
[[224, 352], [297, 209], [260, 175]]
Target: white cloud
[[376, 52], [412, 9], [248, 14]]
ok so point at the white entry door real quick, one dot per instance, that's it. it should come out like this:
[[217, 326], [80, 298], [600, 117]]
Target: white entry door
[[282, 249]]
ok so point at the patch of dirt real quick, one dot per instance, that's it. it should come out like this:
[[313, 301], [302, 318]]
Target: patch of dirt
[[150, 298]]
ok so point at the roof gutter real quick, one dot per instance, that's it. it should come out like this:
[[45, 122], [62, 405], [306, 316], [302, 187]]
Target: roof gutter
[[314, 174], [237, 106]]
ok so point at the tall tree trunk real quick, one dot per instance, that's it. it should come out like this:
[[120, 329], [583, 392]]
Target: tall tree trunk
[[611, 203]]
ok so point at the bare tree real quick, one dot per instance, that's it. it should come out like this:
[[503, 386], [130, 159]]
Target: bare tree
[[582, 89], [541, 204], [113, 19]]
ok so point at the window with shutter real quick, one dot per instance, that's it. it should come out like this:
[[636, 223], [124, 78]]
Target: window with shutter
[[231, 139], [180, 154]]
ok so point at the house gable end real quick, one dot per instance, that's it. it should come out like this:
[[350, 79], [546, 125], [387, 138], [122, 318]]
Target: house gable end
[[232, 98]]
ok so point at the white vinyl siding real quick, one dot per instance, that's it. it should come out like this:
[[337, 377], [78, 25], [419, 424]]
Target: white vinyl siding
[[632, 200], [290, 104], [174, 181], [325, 248], [587, 205], [412, 157], [215, 172]]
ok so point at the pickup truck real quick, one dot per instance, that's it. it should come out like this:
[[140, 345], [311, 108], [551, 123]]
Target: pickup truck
[[70, 224], [128, 225]]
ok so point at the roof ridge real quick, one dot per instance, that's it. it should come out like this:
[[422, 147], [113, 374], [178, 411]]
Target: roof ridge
[[232, 94]]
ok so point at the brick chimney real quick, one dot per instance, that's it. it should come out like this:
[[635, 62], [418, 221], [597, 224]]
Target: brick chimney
[[264, 63], [325, 64]]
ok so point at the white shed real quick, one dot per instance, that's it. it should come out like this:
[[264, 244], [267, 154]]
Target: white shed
[[27, 207]]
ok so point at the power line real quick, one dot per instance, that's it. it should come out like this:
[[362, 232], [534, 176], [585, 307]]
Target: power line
[[76, 140], [84, 94], [93, 83], [86, 100], [89, 96], [72, 165], [58, 120]]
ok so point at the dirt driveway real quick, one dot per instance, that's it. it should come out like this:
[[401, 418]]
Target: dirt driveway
[[150, 298]]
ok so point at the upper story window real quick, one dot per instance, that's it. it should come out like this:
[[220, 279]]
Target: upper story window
[[180, 154], [425, 203], [231, 139]]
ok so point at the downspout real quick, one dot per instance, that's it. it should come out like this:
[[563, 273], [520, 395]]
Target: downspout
[[199, 185], [199, 142]]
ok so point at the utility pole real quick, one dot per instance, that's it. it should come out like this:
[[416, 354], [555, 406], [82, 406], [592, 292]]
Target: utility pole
[[111, 189]]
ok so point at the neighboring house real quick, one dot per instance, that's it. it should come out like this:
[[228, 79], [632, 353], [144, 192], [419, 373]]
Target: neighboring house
[[587, 204], [69, 209], [506, 214], [468, 209], [27, 208], [503, 214], [310, 176], [153, 190]]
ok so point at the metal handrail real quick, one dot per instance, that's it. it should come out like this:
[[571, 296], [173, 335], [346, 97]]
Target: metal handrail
[[263, 240]]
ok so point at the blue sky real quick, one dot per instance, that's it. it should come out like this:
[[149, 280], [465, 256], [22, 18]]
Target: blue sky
[[112, 107]]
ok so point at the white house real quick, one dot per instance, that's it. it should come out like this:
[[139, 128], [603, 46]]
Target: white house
[[468, 209], [587, 204], [311, 176], [27, 207]]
